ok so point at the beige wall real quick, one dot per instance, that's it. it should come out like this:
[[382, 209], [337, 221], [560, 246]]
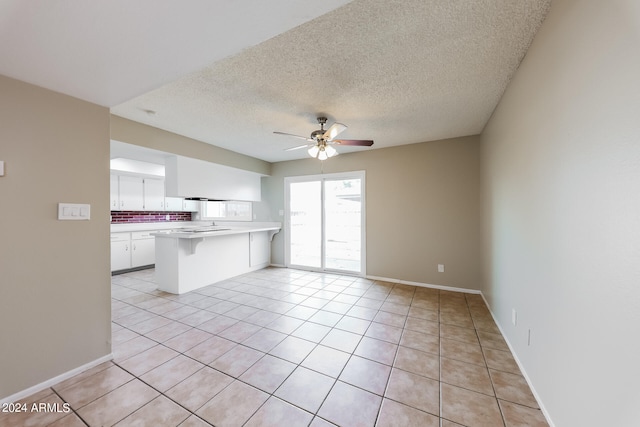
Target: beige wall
[[561, 186], [423, 208], [54, 275], [124, 130]]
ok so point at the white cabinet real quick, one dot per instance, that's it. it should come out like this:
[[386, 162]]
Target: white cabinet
[[143, 248], [153, 194], [131, 193], [131, 250], [178, 204], [114, 193], [120, 251], [259, 248]]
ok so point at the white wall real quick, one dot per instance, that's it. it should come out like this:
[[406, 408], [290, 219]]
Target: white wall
[[561, 192]]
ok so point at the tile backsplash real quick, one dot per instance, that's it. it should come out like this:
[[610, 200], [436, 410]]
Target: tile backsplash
[[122, 217]]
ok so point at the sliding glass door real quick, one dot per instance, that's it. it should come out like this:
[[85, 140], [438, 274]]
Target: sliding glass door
[[325, 222]]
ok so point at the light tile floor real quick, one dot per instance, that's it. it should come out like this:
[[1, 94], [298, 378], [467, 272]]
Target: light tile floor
[[281, 347]]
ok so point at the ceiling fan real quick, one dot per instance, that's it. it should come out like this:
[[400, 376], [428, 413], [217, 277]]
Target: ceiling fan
[[321, 140]]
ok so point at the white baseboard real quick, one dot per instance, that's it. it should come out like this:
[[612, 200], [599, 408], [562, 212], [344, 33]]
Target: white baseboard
[[425, 285], [50, 382], [524, 372]]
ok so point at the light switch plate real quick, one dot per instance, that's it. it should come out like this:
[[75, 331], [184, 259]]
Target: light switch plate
[[1, 167], [74, 211]]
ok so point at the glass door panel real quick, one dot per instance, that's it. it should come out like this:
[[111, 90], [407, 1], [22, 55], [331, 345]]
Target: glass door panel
[[305, 222], [343, 224]]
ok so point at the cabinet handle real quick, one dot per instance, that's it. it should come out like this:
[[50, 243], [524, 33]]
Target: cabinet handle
[[126, 248], [134, 247]]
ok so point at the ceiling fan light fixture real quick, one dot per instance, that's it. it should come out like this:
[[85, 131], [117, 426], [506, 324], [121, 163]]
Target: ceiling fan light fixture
[[313, 151], [322, 155], [330, 151]]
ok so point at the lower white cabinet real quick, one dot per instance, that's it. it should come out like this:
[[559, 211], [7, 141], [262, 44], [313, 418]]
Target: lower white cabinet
[[131, 250], [143, 248], [120, 251]]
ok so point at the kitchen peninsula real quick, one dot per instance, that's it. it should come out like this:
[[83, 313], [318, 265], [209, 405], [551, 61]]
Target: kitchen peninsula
[[189, 259]]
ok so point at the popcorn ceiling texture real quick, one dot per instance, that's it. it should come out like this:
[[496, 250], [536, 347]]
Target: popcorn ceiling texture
[[398, 72]]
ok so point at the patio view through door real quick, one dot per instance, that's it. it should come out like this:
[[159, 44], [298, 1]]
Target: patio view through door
[[325, 222]]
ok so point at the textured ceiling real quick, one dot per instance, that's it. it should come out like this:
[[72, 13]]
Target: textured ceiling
[[397, 72], [107, 52]]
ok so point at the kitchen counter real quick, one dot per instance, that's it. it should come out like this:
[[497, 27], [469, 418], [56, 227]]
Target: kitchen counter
[[190, 258]]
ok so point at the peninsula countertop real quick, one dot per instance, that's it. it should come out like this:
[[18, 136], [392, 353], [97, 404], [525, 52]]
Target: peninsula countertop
[[217, 230]]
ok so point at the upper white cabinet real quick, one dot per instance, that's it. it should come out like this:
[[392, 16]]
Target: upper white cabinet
[[115, 193], [153, 194], [187, 177], [131, 191]]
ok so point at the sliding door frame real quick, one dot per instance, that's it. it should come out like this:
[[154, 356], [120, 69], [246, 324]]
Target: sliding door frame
[[363, 226]]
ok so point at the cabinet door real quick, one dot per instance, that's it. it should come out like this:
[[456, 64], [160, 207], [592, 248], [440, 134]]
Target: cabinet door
[[173, 204], [153, 194], [259, 248], [120, 253], [131, 193], [114, 193], [143, 252]]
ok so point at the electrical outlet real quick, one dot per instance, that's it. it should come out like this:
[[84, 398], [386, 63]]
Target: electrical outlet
[[514, 317], [167, 217], [440, 268]]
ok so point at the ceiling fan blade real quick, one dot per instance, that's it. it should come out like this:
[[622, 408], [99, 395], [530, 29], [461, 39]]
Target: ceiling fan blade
[[298, 147], [295, 136], [359, 142], [333, 131]]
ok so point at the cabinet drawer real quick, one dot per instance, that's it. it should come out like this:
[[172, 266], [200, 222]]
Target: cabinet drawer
[[138, 235], [120, 237]]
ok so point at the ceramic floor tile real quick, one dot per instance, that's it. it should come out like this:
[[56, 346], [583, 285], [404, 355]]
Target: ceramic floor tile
[[394, 414], [209, 350], [347, 405], [342, 340], [366, 374], [491, 340], [326, 360], [239, 331], [285, 324], [404, 340], [296, 389], [311, 332], [233, 406], [268, 373], [95, 386], [463, 351], [521, 416], [418, 362], [457, 333], [466, 375], [293, 349], [513, 388], [132, 347], [70, 420], [148, 360], [118, 404], [469, 408], [171, 373], [237, 360], [420, 341], [199, 388], [380, 351], [160, 411], [414, 391], [501, 361], [264, 340], [353, 324], [277, 413]]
